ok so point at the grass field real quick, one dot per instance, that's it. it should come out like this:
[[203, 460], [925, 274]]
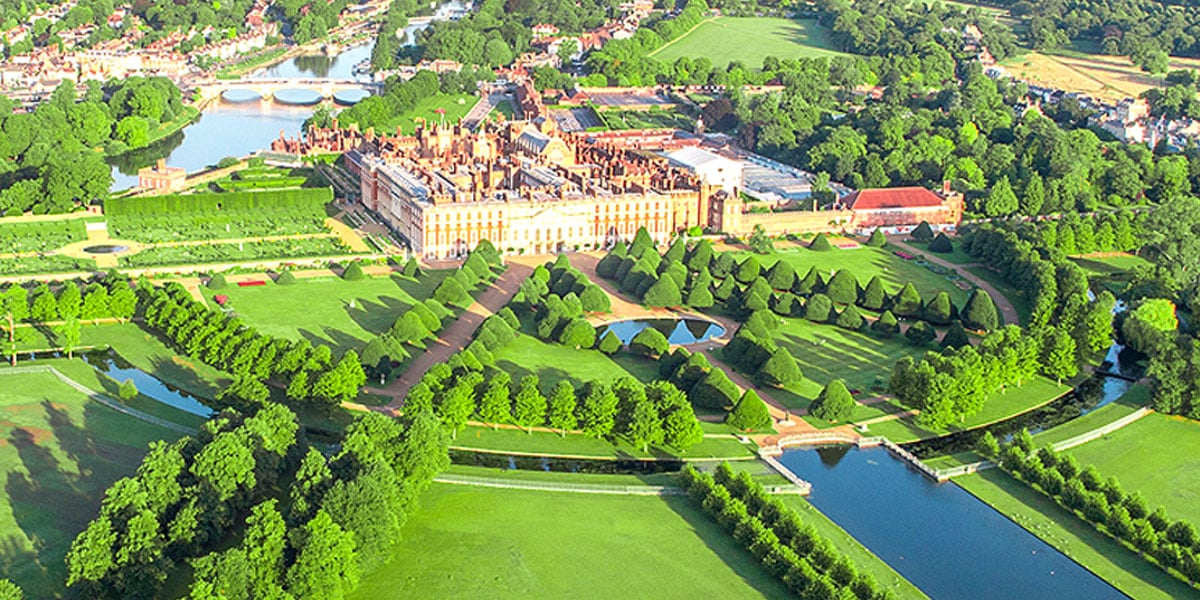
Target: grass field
[[1137, 397], [866, 262], [59, 452], [320, 309], [469, 542], [749, 40], [546, 443], [828, 352], [1117, 565], [1159, 456], [456, 106], [552, 363], [1110, 78], [145, 351], [646, 119]]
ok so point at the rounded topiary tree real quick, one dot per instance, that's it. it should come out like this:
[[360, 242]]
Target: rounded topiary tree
[[920, 333], [956, 336], [649, 342], [780, 369], [850, 319], [886, 325], [923, 232], [353, 272], [594, 299], [750, 413], [818, 308], [820, 243], [980, 311], [609, 343], [217, 282], [665, 292], [285, 278], [578, 334], [478, 265], [877, 239], [450, 291], [834, 403], [941, 244]]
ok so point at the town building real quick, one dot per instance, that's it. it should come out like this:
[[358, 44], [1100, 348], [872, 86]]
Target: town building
[[161, 177]]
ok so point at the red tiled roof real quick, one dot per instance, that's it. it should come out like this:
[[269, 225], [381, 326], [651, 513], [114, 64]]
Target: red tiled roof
[[899, 197]]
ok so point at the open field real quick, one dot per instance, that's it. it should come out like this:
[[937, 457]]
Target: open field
[[1111, 78], [330, 310], [59, 452], [866, 262], [456, 106], [1121, 567], [749, 40], [540, 442], [553, 363], [480, 542], [1137, 397], [1159, 456], [827, 352]]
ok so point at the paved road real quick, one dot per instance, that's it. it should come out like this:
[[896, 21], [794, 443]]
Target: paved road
[[458, 334], [481, 110], [1002, 303]]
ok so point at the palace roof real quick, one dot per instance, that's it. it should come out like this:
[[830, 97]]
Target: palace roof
[[889, 198]]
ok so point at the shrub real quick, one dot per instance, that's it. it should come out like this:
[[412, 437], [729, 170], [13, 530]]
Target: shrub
[[886, 325], [939, 311], [578, 334], [411, 268], [478, 266], [920, 333], [780, 369], [907, 302], [450, 291], [843, 288], [850, 319], [285, 278], [874, 295], [820, 243], [923, 232], [649, 342], [128, 390], [700, 297], [877, 239], [353, 272], [217, 282], [749, 413], [748, 270], [980, 312], [818, 309], [714, 390], [609, 343], [941, 244], [665, 292], [956, 336], [594, 299], [834, 403], [781, 275]]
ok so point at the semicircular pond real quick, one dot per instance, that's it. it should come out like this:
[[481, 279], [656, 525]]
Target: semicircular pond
[[677, 331]]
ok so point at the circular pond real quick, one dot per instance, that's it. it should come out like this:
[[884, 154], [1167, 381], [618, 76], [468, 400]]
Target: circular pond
[[677, 331], [106, 249]]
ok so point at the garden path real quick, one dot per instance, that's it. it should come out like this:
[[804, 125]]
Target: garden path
[[1002, 302], [458, 334]]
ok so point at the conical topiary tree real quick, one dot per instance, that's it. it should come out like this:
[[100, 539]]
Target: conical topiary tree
[[780, 369], [923, 232], [980, 312], [217, 282], [748, 270], [820, 243], [750, 413], [886, 325], [850, 319], [941, 244], [920, 333], [665, 292], [285, 278], [874, 295], [940, 310], [781, 275], [907, 302], [810, 283], [609, 343], [353, 272], [818, 308], [956, 336], [834, 403], [877, 239], [843, 287]]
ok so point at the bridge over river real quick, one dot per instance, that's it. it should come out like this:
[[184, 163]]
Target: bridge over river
[[301, 91]]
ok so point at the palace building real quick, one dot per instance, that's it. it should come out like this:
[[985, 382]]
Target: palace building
[[528, 188]]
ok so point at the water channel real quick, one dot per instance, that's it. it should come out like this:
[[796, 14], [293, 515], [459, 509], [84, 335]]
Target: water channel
[[147, 384], [237, 129]]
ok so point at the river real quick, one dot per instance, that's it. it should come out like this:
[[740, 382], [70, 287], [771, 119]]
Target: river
[[227, 129]]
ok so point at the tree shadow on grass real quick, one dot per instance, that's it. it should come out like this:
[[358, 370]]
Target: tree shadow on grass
[[59, 495], [378, 316], [721, 542]]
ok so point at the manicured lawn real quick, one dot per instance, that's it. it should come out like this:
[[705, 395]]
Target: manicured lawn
[[828, 352], [456, 106], [471, 542], [1019, 299], [647, 119], [957, 256], [1121, 567], [145, 351], [750, 40], [1112, 265], [565, 478], [866, 262], [1159, 456], [1137, 397], [539, 442], [321, 311], [553, 363], [60, 451]]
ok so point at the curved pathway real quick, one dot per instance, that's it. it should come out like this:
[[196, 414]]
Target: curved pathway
[[1002, 302]]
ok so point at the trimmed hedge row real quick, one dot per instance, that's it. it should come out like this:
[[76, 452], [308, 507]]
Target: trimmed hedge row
[[775, 534], [310, 200]]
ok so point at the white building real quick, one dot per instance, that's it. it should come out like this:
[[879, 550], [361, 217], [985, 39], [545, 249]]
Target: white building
[[713, 169]]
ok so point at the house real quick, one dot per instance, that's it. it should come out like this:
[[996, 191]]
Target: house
[[902, 208]]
